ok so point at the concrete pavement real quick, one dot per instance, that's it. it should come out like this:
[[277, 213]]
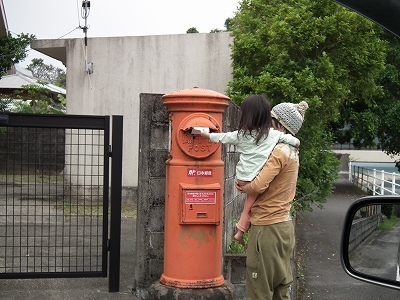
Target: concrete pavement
[[79, 288], [318, 240], [318, 246]]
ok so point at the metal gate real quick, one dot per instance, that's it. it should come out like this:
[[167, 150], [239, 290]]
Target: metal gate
[[54, 196]]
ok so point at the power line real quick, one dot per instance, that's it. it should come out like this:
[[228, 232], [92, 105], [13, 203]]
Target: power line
[[62, 36], [2, 55]]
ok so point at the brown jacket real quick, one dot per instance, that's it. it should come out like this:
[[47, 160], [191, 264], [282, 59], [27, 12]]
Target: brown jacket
[[276, 186]]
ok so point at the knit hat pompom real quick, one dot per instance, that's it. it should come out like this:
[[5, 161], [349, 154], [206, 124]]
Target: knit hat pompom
[[290, 115]]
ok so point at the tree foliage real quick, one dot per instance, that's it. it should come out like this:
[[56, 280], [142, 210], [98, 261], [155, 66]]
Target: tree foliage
[[192, 30], [317, 51], [35, 99], [13, 50], [376, 124], [6, 103], [227, 25], [48, 73]]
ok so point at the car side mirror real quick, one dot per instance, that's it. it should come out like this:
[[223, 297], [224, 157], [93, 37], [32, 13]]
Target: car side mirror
[[370, 240]]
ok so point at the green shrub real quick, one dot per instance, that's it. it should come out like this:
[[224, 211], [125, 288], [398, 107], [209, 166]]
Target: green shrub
[[387, 224], [387, 210], [236, 248]]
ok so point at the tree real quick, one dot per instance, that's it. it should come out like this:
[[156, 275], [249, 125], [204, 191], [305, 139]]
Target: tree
[[6, 103], [48, 73], [388, 108], [376, 124], [192, 30], [317, 51], [13, 50], [227, 25], [35, 99]]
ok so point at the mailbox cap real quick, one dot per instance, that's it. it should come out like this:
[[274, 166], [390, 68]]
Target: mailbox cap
[[196, 92]]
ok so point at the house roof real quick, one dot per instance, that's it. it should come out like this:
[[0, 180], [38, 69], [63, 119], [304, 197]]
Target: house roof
[[24, 77]]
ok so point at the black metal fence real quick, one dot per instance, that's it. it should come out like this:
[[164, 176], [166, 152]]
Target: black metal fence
[[54, 196]]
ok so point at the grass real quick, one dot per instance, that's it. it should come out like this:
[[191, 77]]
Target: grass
[[387, 224], [69, 208], [33, 178], [80, 209]]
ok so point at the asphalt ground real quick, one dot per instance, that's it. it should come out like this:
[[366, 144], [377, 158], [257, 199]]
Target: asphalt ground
[[79, 288], [318, 235], [377, 255]]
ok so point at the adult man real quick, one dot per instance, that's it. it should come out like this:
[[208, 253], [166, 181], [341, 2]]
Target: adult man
[[271, 242]]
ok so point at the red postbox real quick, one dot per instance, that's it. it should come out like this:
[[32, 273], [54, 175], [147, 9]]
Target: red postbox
[[194, 191]]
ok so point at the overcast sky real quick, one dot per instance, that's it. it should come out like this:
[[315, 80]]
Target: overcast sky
[[53, 19]]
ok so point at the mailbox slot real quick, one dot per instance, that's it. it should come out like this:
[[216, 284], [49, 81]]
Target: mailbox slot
[[200, 203], [199, 120], [194, 145]]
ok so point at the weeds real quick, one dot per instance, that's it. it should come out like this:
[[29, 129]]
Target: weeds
[[387, 224], [80, 209], [299, 269], [32, 178], [235, 248]]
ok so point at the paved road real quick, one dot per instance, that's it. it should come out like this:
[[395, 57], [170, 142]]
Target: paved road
[[78, 288], [318, 243], [377, 255], [318, 239]]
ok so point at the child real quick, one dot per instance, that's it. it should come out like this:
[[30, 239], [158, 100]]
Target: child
[[255, 139]]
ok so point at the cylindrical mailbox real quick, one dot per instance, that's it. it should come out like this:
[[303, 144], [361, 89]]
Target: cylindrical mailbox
[[194, 191]]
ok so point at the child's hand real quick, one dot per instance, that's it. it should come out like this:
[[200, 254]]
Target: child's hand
[[298, 143], [238, 186], [241, 182], [205, 134]]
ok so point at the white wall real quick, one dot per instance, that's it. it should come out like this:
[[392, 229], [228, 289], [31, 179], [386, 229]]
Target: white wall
[[124, 67], [368, 155]]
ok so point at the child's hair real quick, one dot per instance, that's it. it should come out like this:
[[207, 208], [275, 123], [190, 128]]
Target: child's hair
[[256, 115]]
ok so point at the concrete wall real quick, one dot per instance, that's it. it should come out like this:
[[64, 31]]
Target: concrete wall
[[153, 152], [362, 229], [153, 144], [124, 67], [367, 156]]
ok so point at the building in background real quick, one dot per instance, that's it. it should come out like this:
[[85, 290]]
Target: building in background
[[22, 77], [107, 76]]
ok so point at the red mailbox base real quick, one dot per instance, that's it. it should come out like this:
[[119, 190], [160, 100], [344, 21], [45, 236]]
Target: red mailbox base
[[192, 284]]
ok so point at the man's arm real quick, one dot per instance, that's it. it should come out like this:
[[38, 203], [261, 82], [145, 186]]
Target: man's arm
[[261, 182]]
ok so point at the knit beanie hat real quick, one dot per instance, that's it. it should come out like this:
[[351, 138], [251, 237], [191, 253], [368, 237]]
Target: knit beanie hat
[[290, 115]]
